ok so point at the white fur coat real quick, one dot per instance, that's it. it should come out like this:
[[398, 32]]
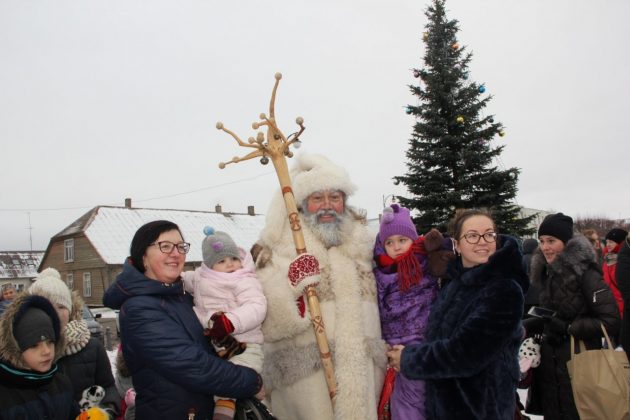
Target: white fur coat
[[292, 372]]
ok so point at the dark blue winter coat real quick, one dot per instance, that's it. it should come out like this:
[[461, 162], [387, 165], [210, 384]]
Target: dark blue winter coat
[[469, 358], [174, 369]]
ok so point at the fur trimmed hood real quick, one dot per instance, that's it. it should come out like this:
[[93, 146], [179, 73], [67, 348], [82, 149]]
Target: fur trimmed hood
[[9, 348], [577, 257]]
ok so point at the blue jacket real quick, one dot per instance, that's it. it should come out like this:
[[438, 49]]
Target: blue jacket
[[174, 369], [469, 358]]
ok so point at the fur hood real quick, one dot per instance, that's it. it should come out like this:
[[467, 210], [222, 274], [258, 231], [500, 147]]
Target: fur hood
[[577, 257], [9, 348]]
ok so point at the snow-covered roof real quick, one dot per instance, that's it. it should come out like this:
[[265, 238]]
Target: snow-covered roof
[[19, 264], [110, 229]]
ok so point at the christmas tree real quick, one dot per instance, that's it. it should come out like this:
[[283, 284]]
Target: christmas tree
[[450, 155]]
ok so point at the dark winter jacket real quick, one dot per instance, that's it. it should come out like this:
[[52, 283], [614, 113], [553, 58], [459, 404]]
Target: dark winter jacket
[[85, 361], [623, 281], [404, 315], [26, 394], [469, 359], [174, 369], [531, 297], [572, 286]]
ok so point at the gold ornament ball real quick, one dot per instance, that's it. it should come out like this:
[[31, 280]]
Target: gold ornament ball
[[460, 119], [219, 126], [455, 46], [425, 35], [501, 133]]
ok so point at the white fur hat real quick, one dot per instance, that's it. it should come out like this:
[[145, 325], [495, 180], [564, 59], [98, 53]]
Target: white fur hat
[[49, 284], [313, 172]]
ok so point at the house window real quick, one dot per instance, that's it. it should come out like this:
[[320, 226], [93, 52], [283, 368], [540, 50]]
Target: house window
[[87, 284], [68, 250], [70, 280]]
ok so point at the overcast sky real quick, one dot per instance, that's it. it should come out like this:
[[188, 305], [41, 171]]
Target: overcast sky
[[103, 100]]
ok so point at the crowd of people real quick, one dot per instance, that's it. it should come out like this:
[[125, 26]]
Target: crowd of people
[[420, 325]]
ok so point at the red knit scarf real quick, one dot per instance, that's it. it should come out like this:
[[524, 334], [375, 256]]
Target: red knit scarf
[[408, 267]]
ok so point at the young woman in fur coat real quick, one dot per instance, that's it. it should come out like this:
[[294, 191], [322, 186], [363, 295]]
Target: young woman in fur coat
[[469, 357], [570, 281]]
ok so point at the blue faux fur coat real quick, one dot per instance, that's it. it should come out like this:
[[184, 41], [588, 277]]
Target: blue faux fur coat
[[469, 360]]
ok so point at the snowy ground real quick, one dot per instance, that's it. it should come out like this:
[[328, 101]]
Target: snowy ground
[[522, 393]]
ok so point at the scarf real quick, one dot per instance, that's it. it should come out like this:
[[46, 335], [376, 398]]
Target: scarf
[[407, 265], [77, 336]]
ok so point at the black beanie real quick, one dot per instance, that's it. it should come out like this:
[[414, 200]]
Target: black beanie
[[557, 225], [144, 237], [33, 326], [616, 235]]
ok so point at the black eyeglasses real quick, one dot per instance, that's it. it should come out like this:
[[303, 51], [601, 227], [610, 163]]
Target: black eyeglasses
[[474, 238], [167, 247]]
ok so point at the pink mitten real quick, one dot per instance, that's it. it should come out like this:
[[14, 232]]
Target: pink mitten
[[303, 272]]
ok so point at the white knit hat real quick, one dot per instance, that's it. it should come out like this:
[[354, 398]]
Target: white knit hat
[[49, 284], [313, 172]]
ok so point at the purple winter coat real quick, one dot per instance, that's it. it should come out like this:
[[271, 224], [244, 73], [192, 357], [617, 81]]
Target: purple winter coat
[[404, 315]]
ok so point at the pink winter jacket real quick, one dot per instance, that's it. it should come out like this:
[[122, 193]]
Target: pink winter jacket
[[239, 295]]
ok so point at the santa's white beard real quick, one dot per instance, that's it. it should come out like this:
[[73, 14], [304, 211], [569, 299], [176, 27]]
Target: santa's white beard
[[330, 233]]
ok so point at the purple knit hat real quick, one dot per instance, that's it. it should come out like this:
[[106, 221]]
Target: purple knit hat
[[397, 221]]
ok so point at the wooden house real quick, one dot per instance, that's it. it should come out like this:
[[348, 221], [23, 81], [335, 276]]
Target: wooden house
[[90, 252], [19, 267]]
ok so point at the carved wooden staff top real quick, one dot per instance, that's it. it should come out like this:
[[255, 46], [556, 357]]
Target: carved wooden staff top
[[276, 147]]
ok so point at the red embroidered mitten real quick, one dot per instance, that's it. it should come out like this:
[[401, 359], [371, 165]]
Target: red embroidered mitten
[[303, 272], [221, 326]]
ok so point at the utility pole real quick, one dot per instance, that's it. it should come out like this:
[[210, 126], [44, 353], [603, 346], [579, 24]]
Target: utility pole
[[30, 229]]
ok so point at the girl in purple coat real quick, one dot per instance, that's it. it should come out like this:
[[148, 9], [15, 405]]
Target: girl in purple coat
[[407, 287]]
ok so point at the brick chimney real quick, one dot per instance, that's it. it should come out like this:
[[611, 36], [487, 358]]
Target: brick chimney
[[217, 208], [128, 203], [250, 211]]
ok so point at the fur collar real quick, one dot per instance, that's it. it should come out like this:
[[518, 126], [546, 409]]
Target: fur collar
[[9, 348]]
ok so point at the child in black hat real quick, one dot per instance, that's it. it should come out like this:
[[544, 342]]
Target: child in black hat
[[30, 385]]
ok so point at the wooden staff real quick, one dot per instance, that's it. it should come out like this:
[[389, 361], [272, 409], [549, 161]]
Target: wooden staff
[[275, 147]]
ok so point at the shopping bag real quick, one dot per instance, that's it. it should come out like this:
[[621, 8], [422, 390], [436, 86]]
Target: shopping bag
[[601, 382], [384, 407]]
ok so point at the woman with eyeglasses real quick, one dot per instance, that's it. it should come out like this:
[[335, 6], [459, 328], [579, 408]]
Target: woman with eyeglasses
[[175, 372], [469, 358], [571, 285]]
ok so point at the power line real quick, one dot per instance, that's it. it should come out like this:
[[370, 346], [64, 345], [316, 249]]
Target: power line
[[145, 199]]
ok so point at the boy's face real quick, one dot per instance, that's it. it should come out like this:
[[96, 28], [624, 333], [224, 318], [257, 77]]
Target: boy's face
[[227, 265], [8, 294], [39, 357], [397, 245]]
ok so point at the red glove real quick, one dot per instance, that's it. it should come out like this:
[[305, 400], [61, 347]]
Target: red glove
[[303, 272], [220, 326]]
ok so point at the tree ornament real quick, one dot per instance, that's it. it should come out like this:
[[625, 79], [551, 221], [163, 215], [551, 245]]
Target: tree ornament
[[425, 36], [264, 160], [491, 120], [409, 110], [416, 74], [482, 89], [465, 76], [460, 119], [455, 46], [297, 144], [501, 133]]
